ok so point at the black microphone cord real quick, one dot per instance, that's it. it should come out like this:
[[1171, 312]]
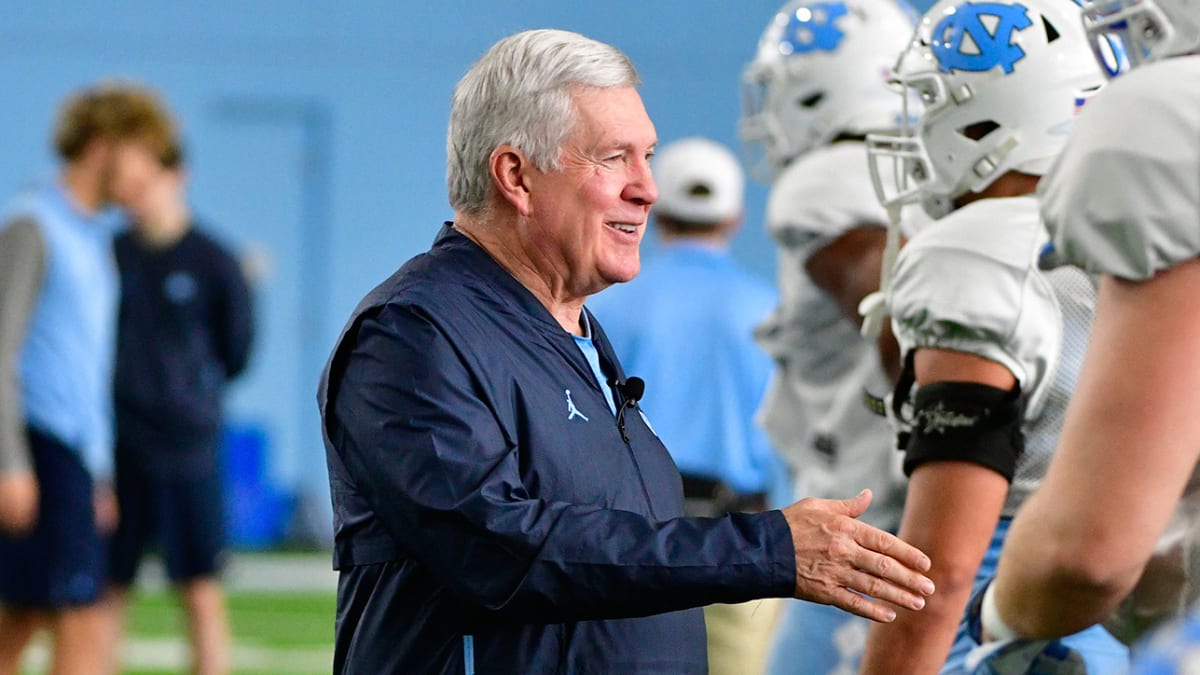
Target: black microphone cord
[[631, 391]]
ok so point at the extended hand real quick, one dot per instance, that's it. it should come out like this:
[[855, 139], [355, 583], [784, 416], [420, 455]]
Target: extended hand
[[843, 562]]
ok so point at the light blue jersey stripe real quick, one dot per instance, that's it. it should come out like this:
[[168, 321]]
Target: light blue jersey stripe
[[469, 654]]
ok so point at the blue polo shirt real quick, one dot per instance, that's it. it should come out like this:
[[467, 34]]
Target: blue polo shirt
[[685, 326]]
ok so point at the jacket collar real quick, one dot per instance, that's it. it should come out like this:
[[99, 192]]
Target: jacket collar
[[478, 264]]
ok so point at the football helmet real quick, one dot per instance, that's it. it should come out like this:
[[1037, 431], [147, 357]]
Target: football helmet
[[821, 70], [1141, 30], [998, 83]]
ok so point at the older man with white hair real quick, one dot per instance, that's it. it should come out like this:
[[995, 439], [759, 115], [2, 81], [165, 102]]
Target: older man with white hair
[[501, 504]]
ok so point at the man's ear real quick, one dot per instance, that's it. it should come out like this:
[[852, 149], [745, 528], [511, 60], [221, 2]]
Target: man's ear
[[510, 170]]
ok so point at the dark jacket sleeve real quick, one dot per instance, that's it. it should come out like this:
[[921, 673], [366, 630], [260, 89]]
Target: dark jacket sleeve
[[235, 317], [414, 427]]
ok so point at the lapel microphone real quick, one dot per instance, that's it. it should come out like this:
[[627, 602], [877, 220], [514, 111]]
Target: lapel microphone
[[631, 391]]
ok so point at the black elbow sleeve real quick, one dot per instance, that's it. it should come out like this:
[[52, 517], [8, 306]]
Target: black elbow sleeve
[[966, 422]]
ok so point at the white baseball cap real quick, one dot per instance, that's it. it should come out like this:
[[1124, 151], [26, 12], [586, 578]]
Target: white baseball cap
[[698, 181]]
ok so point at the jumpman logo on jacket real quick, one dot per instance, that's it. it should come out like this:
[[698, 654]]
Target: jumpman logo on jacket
[[572, 411]]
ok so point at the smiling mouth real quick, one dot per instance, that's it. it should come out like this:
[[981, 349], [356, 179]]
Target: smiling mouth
[[628, 228]]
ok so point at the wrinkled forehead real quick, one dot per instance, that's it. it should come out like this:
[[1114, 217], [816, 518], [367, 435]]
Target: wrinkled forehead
[[610, 117]]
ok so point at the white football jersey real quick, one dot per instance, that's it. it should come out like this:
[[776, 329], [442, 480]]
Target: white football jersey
[[1124, 197], [970, 283], [1124, 200], [814, 412]]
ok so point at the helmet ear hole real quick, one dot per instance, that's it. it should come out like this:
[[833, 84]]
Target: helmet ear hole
[[979, 130], [812, 100]]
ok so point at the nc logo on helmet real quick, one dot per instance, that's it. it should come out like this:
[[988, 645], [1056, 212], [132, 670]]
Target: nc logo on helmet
[[978, 37], [813, 28]]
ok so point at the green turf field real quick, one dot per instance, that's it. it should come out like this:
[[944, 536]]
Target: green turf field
[[281, 611], [273, 632]]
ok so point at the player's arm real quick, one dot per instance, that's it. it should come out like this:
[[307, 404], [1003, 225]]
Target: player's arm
[[847, 268], [22, 268], [954, 500], [1129, 444]]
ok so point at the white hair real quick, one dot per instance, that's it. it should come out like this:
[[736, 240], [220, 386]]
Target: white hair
[[519, 93]]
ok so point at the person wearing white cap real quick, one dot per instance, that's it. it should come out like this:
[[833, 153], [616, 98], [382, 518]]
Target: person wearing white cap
[[700, 182], [686, 322]]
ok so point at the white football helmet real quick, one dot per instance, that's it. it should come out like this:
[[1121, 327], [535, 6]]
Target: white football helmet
[[999, 82], [820, 71], [1141, 30]]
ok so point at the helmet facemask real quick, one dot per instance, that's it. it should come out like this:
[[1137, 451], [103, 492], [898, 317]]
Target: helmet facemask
[[781, 115], [1125, 34]]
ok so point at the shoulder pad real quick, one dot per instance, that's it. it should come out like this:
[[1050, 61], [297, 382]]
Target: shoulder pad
[[823, 194], [969, 282], [1124, 197]]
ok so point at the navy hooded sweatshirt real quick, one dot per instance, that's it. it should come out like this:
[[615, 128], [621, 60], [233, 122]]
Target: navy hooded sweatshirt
[[186, 327]]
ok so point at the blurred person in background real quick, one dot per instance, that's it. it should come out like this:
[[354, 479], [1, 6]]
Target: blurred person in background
[[992, 338], [1113, 535], [686, 324], [58, 305], [501, 502], [814, 89], [184, 331]]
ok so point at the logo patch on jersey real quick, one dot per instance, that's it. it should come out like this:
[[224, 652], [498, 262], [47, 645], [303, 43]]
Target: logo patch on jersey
[[813, 28], [572, 411], [978, 36], [180, 287]]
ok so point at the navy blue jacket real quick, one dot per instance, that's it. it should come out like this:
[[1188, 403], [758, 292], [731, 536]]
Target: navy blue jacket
[[480, 527]]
